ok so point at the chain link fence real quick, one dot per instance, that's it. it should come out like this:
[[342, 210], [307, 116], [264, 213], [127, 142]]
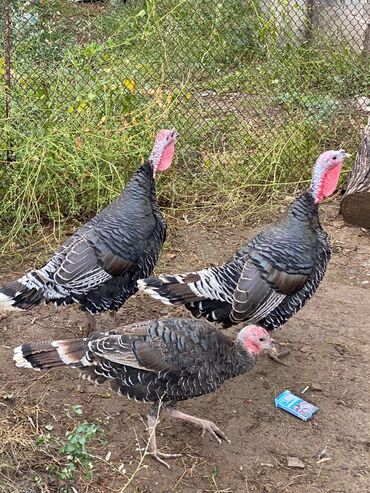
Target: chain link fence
[[256, 88]]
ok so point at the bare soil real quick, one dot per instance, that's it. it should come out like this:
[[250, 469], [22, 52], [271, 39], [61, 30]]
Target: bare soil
[[329, 345]]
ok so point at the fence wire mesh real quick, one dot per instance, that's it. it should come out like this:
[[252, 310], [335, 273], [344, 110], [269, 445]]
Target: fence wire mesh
[[256, 88]]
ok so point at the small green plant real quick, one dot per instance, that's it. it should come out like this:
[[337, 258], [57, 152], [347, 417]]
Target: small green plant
[[68, 457], [318, 107], [76, 453], [42, 440], [75, 409]]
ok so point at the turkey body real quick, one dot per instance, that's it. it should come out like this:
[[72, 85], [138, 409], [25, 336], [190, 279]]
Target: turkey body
[[159, 361], [99, 265], [177, 359], [164, 361], [266, 282]]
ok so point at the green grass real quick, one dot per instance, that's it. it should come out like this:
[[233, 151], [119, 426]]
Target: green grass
[[92, 84]]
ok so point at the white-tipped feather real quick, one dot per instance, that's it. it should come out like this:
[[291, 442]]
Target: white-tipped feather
[[179, 278], [6, 303], [19, 360], [86, 362], [193, 288], [142, 285], [154, 294]]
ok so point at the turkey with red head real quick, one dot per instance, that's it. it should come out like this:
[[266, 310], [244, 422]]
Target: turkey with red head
[[99, 265], [158, 361], [271, 277]]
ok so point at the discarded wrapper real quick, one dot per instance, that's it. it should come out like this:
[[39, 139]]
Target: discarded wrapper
[[295, 405]]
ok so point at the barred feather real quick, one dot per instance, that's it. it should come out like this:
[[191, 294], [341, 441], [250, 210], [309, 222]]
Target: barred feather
[[99, 265], [50, 354], [266, 282], [168, 360]]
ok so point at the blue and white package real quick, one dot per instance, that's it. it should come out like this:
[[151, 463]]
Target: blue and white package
[[295, 405]]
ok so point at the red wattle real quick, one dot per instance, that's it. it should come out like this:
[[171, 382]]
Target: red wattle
[[251, 347], [166, 158], [329, 183]]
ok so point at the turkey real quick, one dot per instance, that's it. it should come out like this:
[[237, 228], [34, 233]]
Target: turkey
[[160, 361], [271, 277], [99, 265]]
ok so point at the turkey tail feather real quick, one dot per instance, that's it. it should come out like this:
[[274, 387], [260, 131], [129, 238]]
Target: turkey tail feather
[[18, 296], [181, 289], [50, 354], [212, 310], [171, 290]]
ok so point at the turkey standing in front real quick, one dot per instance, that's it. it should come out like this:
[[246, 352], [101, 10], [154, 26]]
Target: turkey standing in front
[[99, 265], [271, 277], [160, 361]]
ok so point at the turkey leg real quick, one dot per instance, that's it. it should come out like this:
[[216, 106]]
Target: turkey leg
[[153, 421], [205, 424]]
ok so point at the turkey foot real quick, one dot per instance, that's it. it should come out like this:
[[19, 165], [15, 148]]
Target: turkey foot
[[275, 355], [152, 448], [205, 424]]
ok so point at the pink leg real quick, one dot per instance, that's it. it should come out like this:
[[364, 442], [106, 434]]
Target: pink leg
[[152, 449], [206, 425]]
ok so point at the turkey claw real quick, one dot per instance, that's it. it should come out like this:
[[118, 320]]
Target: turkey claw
[[159, 456], [214, 431]]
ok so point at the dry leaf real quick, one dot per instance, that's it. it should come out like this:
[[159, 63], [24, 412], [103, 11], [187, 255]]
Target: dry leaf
[[130, 84]]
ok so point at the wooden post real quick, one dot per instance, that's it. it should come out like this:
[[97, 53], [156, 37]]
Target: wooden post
[[355, 205]]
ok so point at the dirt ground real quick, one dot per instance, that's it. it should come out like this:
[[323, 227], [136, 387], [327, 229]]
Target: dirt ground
[[329, 345]]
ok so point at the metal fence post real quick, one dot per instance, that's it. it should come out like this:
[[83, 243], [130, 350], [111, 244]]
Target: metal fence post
[[366, 49], [7, 67], [309, 22]]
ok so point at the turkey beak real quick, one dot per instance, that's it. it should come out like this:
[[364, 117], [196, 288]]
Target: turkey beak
[[175, 135], [344, 153], [271, 344]]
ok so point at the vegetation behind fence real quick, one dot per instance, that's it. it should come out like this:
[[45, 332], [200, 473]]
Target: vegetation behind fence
[[257, 89]]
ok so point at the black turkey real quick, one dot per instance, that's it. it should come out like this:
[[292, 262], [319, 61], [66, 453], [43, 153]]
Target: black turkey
[[161, 361], [99, 265], [271, 277]]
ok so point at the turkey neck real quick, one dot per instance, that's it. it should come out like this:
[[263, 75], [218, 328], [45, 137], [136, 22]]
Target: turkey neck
[[241, 361], [142, 183], [304, 209], [138, 195]]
